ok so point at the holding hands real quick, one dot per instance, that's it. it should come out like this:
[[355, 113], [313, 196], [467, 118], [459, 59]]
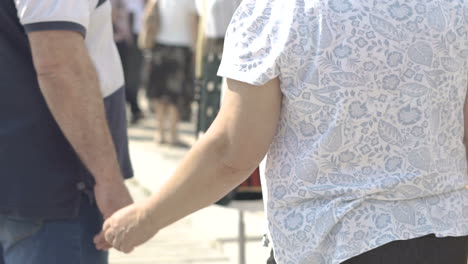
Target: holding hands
[[111, 195], [129, 227]]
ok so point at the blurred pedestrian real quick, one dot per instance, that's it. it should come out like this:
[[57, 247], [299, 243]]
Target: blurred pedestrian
[[63, 143], [215, 17], [125, 20], [363, 107], [121, 25], [135, 59], [170, 83]]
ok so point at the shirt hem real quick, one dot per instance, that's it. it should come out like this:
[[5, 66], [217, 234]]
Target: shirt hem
[[457, 227], [242, 76], [56, 25]]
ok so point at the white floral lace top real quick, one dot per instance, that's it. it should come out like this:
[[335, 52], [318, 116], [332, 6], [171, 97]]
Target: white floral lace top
[[369, 148]]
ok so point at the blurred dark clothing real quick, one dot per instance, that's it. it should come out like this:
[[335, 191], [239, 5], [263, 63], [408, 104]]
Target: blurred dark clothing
[[132, 61], [171, 76], [210, 84], [423, 250]]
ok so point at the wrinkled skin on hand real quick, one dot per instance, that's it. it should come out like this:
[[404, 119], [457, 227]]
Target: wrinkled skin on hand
[[110, 197], [129, 228]]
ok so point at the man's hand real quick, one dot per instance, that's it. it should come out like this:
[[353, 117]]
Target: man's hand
[[110, 197], [129, 228]]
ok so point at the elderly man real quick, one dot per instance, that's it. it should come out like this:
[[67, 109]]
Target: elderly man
[[62, 159]]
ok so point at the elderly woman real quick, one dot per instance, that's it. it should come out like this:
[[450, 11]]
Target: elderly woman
[[360, 105]]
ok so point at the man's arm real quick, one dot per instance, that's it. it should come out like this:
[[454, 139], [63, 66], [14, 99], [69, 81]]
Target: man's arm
[[224, 157], [69, 83]]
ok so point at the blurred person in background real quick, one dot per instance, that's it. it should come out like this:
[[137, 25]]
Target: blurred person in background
[[135, 59], [215, 16], [362, 107], [63, 131], [170, 83], [126, 20]]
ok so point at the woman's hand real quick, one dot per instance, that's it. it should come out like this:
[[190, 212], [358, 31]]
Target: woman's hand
[[129, 228]]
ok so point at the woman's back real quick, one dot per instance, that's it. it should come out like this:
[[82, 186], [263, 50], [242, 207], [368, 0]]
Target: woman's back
[[370, 143]]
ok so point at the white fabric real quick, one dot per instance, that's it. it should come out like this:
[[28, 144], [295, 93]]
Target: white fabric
[[103, 51], [31, 11], [99, 33], [177, 22], [137, 8], [218, 14], [369, 147]]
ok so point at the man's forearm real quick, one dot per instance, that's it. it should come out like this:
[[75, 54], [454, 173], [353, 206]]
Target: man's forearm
[[75, 102], [71, 90]]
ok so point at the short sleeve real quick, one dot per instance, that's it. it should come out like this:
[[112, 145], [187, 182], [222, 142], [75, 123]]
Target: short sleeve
[[255, 41], [40, 15]]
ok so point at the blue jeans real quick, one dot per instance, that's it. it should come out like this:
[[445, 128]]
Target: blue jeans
[[29, 241]]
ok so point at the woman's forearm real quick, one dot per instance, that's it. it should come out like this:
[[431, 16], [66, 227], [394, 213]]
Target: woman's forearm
[[202, 179], [226, 155]]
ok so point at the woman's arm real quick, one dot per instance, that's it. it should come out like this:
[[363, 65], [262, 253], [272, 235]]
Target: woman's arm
[[224, 157]]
